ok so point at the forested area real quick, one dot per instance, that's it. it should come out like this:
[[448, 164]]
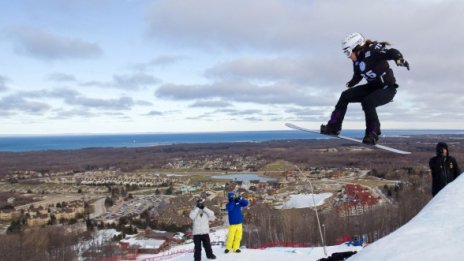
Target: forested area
[[308, 152], [265, 224]]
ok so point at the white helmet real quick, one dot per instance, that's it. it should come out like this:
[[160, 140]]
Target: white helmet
[[351, 42]]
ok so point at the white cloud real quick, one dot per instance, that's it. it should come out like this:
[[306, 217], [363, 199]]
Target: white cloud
[[242, 92], [74, 98], [302, 25], [304, 71], [71, 103], [61, 77], [211, 104], [154, 113], [16, 103], [161, 61], [61, 114], [134, 81], [233, 112], [210, 23], [3, 81], [44, 45]]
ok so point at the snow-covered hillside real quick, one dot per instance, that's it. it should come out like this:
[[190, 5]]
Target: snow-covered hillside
[[185, 252], [305, 200], [436, 233]]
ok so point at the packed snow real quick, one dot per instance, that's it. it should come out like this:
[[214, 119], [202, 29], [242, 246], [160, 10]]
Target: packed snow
[[185, 252], [305, 200], [436, 233], [143, 243], [100, 238]]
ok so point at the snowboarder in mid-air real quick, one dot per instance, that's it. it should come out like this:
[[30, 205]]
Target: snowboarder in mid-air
[[370, 61]]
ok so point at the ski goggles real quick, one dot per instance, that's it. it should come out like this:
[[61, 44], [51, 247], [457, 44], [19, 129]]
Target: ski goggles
[[347, 52]]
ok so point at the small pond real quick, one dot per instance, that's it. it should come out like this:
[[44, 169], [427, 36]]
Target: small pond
[[243, 177]]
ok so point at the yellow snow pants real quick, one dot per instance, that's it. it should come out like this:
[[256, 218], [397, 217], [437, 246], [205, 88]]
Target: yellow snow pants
[[234, 237]]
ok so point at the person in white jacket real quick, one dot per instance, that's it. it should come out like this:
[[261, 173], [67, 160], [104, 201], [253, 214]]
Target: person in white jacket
[[201, 216]]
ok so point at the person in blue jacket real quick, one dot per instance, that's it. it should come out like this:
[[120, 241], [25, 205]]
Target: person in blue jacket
[[234, 210]]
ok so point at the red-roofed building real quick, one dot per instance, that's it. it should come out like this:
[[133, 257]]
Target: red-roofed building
[[356, 200]]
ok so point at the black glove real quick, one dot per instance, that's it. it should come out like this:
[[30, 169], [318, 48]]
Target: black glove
[[402, 62], [349, 85], [237, 199], [201, 204]]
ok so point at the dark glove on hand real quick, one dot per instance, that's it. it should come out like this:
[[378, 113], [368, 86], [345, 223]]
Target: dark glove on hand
[[402, 62], [349, 85], [200, 205], [237, 199]]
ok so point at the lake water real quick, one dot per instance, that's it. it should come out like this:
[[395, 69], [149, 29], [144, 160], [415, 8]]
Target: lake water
[[243, 177], [71, 142]]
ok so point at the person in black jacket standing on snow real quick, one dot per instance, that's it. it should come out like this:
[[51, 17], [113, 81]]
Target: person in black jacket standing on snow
[[444, 168], [370, 61]]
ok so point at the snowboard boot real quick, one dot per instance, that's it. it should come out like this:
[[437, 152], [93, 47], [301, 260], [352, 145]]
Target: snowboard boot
[[226, 251], [372, 134], [334, 126], [330, 129], [371, 138]]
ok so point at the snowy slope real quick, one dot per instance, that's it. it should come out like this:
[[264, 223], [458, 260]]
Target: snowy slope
[[294, 254], [436, 233], [305, 200], [185, 252]]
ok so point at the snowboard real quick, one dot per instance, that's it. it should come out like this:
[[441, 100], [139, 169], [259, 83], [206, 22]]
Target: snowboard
[[383, 147]]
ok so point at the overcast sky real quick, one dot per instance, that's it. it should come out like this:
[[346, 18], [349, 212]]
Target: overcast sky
[[103, 66]]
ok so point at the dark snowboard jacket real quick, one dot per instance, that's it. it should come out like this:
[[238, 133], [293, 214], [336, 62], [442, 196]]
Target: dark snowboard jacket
[[444, 168], [372, 65]]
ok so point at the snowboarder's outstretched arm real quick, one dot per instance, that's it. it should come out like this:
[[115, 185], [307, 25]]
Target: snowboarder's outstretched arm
[[395, 55], [390, 54]]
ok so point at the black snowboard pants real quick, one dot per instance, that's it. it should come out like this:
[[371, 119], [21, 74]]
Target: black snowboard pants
[[197, 239], [370, 96]]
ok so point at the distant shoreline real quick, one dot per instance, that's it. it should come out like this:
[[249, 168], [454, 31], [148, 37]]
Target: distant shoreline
[[76, 142], [233, 156]]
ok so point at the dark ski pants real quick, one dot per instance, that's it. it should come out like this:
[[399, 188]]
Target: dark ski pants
[[370, 96], [197, 239]]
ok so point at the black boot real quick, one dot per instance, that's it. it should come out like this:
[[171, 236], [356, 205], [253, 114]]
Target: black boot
[[330, 129], [372, 134], [334, 126], [371, 138]]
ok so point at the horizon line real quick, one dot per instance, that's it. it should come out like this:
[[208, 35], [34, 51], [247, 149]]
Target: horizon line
[[4, 135]]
